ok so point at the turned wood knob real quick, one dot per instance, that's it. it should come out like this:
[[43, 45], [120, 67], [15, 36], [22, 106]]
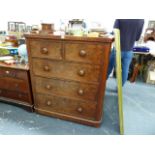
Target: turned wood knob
[[80, 91], [16, 85], [81, 72], [82, 53], [79, 109], [48, 86], [19, 95], [46, 68], [0, 91], [44, 50], [48, 102], [7, 72]]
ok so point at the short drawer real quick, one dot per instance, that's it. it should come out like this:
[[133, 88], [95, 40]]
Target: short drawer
[[14, 84], [66, 70], [66, 88], [87, 53], [13, 73], [46, 49], [15, 95], [66, 106]]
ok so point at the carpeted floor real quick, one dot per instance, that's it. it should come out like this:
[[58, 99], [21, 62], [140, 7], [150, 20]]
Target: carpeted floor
[[139, 109], [139, 115]]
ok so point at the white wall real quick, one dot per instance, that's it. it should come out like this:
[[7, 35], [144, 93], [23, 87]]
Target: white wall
[[35, 11]]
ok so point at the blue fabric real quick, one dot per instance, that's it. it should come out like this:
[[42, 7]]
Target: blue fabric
[[126, 57], [130, 31]]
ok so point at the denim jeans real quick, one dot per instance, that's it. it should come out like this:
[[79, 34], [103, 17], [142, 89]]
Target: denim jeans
[[126, 57]]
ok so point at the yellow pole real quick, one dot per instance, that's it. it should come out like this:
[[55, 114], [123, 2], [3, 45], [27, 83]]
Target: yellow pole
[[119, 79]]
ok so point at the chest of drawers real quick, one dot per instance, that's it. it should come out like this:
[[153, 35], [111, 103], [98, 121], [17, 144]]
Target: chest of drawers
[[69, 76], [15, 85]]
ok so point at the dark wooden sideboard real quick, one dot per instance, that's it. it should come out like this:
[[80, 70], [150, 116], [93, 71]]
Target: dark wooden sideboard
[[69, 76], [15, 85]]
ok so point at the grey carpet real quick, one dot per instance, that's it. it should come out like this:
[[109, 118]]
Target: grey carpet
[[139, 108]]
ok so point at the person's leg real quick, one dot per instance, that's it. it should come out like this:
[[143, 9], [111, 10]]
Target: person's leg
[[126, 60], [111, 62]]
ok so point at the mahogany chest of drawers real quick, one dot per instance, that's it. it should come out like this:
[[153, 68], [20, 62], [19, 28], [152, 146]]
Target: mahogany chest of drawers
[[69, 76], [15, 85]]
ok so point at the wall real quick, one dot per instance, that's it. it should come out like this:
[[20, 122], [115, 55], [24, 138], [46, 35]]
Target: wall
[[33, 12]]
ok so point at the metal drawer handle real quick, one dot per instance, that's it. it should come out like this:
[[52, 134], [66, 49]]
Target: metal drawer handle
[[82, 53], [79, 109], [48, 86], [48, 103], [46, 68], [81, 72], [44, 50], [81, 92]]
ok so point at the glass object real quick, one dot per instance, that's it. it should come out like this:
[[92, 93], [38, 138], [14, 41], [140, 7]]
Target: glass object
[[22, 52]]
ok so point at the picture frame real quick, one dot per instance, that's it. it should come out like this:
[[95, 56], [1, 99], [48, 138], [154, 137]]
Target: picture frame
[[151, 24]]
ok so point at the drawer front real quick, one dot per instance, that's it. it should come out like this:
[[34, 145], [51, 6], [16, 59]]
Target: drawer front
[[66, 88], [66, 70], [13, 73], [87, 53], [46, 49], [66, 106], [14, 84], [14, 95]]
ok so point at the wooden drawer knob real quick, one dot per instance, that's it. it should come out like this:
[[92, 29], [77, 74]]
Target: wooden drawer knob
[[82, 53], [16, 85], [48, 86], [49, 103], [44, 50], [81, 72], [46, 68], [7, 72], [10, 73], [79, 109], [19, 95], [80, 92], [0, 91]]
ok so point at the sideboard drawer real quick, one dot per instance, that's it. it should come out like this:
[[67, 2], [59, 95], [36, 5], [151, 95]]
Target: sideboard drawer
[[66, 106], [14, 84], [66, 70], [46, 49], [15, 95], [13, 73], [87, 53], [66, 88]]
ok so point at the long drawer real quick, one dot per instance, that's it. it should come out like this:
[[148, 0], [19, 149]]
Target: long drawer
[[82, 52], [66, 70], [46, 49], [67, 106], [66, 88], [15, 95], [14, 84], [13, 73]]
